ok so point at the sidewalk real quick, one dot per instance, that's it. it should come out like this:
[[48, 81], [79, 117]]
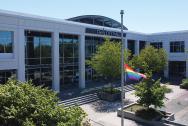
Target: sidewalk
[[105, 113], [176, 102]]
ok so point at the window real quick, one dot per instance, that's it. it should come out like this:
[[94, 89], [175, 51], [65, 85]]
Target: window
[[38, 59], [157, 45], [68, 54], [177, 46], [131, 46], [142, 45], [6, 40], [6, 74], [177, 68]]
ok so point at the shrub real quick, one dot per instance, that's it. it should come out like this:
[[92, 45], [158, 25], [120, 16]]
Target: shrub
[[150, 92], [184, 84], [110, 90], [22, 104], [148, 114]]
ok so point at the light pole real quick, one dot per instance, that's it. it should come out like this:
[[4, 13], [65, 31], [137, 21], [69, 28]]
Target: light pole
[[122, 68]]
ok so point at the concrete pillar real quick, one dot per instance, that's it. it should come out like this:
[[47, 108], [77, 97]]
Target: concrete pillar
[[126, 43], [21, 55], [166, 46], [82, 61], [166, 71], [137, 46], [55, 62], [186, 58]]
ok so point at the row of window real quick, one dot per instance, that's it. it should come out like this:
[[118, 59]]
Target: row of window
[[6, 44], [175, 46]]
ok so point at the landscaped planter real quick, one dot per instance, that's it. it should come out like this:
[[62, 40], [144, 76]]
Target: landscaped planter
[[154, 122], [109, 96], [183, 86]]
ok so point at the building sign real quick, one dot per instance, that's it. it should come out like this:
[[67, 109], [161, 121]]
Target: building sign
[[104, 32]]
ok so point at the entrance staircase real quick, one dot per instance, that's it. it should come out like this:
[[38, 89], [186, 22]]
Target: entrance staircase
[[88, 98]]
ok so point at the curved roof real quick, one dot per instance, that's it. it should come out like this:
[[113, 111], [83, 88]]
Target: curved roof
[[97, 20]]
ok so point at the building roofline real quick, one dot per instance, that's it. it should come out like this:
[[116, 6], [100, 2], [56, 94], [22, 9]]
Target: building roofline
[[96, 16], [169, 32], [58, 20]]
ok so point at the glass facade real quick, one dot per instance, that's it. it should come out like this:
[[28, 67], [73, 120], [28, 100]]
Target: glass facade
[[6, 74], [38, 59], [6, 42], [177, 46], [157, 45], [68, 54], [131, 46], [142, 45], [177, 68], [91, 44]]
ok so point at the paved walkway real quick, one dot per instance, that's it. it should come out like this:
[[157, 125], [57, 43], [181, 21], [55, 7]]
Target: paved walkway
[[76, 96], [178, 104], [105, 113], [175, 102]]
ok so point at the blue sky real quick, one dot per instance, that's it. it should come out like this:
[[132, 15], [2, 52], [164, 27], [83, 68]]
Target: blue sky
[[146, 16]]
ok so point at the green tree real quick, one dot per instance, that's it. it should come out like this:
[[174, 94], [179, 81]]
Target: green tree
[[150, 92], [150, 59], [107, 60], [22, 104]]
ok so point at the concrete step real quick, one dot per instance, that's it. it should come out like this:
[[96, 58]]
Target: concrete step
[[90, 97], [80, 100]]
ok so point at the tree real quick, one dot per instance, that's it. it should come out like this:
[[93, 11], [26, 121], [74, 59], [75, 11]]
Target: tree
[[150, 92], [150, 59], [22, 104], [107, 60]]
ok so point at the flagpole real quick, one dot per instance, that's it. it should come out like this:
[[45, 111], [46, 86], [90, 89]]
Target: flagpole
[[122, 69]]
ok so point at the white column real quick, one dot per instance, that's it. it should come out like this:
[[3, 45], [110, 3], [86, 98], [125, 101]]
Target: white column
[[126, 43], [55, 62], [166, 46], [166, 71], [21, 55], [137, 46], [82, 61]]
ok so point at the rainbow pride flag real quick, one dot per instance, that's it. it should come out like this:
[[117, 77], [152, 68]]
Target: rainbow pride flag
[[133, 75]]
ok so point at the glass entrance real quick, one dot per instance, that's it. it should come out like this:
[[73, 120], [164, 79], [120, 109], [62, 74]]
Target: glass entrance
[[91, 44], [68, 55], [89, 74], [177, 69], [38, 57]]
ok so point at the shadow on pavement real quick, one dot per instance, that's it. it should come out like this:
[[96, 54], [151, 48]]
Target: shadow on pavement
[[105, 106]]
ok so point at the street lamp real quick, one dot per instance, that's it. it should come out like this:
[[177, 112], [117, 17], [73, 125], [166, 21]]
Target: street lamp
[[122, 69]]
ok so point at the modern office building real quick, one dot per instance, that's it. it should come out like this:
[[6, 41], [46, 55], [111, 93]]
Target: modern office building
[[53, 52]]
